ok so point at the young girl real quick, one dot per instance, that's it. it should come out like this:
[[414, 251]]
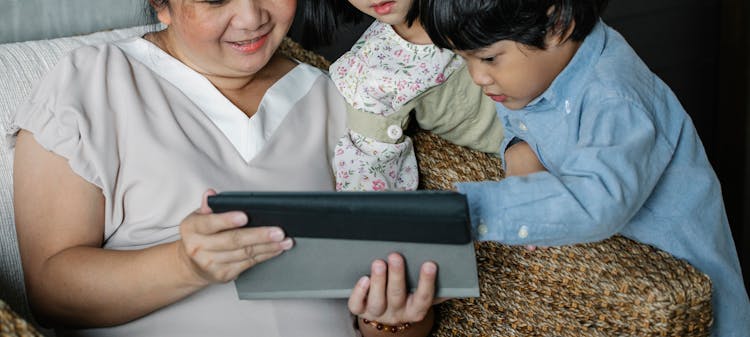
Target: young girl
[[393, 69], [621, 154]]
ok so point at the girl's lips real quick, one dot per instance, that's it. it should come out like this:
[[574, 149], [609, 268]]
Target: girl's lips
[[384, 8], [498, 98], [250, 46]]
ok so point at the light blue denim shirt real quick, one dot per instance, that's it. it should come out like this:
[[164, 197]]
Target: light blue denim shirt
[[623, 157]]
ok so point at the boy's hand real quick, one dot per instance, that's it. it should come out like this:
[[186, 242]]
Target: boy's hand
[[520, 160]]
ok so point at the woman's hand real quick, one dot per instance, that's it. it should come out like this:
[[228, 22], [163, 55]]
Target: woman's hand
[[384, 297], [214, 248]]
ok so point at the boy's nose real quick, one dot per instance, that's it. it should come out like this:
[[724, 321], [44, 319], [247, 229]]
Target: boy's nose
[[478, 75]]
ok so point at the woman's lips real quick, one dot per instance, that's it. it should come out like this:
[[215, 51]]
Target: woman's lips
[[250, 46], [498, 98], [384, 8]]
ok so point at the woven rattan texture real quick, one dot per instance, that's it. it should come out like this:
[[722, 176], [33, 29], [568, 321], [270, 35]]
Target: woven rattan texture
[[12, 325], [617, 287], [611, 288]]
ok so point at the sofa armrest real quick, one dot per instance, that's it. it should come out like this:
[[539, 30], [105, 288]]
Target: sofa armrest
[[610, 288]]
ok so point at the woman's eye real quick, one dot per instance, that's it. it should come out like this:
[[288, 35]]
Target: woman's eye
[[214, 2], [488, 59]]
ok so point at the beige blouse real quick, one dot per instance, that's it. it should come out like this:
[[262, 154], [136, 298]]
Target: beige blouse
[[154, 135]]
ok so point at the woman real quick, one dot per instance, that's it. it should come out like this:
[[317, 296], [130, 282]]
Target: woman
[[119, 141]]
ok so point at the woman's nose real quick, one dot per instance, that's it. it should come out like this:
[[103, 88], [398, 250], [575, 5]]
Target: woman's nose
[[250, 15]]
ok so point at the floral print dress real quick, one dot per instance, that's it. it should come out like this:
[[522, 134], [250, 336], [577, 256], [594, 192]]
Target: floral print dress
[[379, 75]]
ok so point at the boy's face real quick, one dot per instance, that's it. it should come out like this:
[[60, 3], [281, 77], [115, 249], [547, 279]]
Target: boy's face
[[515, 74]]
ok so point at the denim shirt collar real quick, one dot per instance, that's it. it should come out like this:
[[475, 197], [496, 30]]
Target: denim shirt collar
[[569, 81]]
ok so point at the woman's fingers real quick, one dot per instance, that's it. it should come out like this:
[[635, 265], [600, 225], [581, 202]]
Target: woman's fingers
[[396, 291], [376, 299], [384, 296], [215, 249], [204, 202], [243, 237], [254, 252], [206, 224], [358, 299], [420, 302]]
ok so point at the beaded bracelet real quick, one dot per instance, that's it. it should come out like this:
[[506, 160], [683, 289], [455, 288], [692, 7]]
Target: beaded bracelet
[[386, 327]]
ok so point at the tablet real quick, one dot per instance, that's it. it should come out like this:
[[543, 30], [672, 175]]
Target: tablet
[[415, 216], [338, 234]]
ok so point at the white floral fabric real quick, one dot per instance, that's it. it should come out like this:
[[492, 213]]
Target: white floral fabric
[[379, 75], [363, 164], [383, 71]]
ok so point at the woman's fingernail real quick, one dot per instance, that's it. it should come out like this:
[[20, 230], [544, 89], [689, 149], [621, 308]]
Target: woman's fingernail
[[362, 283], [276, 234], [379, 267], [239, 219], [429, 268], [287, 244], [394, 261]]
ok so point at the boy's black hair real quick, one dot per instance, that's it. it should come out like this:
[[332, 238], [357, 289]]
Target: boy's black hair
[[475, 24], [321, 19]]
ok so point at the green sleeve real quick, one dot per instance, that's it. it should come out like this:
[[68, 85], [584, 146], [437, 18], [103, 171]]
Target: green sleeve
[[459, 112]]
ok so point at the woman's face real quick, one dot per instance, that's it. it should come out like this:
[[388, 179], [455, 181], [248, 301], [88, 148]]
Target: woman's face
[[227, 38], [392, 12]]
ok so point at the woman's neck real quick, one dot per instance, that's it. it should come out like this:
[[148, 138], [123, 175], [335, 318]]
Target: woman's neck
[[245, 92], [414, 34]]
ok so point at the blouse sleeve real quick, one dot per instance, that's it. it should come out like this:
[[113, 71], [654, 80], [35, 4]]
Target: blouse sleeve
[[59, 115]]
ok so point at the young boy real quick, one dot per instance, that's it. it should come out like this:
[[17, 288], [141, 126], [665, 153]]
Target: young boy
[[621, 154]]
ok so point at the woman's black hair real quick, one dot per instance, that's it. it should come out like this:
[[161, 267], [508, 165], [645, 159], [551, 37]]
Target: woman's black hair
[[475, 24], [321, 19]]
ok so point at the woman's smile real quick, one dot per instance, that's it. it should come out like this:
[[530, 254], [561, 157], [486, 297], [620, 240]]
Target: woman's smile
[[250, 46]]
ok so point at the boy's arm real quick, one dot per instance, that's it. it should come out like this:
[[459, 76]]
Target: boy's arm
[[600, 185], [520, 160], [461, 113]]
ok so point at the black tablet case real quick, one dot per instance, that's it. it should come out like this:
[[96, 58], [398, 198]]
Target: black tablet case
[[338, 234]]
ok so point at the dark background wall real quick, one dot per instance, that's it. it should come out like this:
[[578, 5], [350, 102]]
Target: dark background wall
[[699, 48]]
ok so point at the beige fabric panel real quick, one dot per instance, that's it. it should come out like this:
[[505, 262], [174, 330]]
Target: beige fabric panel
[[147, 135]]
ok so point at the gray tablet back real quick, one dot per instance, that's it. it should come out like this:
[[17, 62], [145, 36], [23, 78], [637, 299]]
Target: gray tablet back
[[329, 268]]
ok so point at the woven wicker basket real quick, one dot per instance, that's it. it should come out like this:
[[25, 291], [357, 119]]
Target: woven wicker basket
[[612, 288], [12, 325]]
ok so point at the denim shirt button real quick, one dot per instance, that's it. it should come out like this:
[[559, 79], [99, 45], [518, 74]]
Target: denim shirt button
[[523, 232], [482, 228], [522, 126]]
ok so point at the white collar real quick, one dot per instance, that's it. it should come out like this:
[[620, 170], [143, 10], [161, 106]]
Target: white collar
[[248, 135]]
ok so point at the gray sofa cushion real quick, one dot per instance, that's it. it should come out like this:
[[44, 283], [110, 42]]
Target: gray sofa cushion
[[26, 20]]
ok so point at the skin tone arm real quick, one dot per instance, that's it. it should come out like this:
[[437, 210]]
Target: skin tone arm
[[520, 160], [60, 216], [71, 280]]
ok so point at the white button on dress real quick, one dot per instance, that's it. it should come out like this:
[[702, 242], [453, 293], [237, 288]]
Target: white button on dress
[[395, 132]]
